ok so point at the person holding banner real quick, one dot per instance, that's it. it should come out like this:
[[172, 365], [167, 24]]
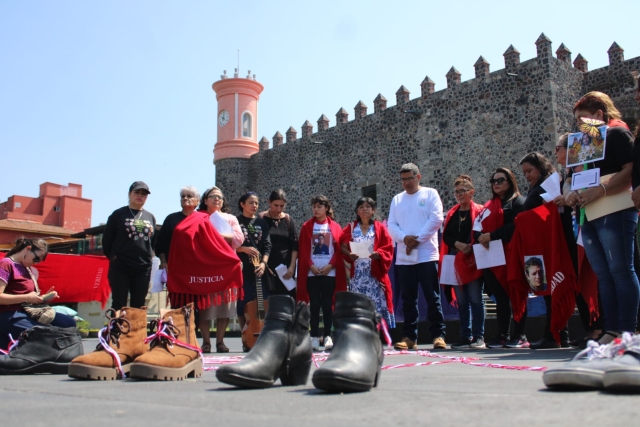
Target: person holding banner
[[608, 227], [497, 223], [457, 241]]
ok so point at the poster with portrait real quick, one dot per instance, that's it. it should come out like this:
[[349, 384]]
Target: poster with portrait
[[535, 272], [588, 145], [321, 250]]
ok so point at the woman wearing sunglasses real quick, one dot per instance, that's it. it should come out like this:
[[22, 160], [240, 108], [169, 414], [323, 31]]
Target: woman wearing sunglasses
[[498, 224], [18, 285]]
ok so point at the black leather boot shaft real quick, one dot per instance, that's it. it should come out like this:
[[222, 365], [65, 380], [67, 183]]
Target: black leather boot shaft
[[283, 349], [356, 357], [43, 349]]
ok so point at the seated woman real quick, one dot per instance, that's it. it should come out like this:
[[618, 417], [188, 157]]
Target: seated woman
[[370, 276], [18, 285]]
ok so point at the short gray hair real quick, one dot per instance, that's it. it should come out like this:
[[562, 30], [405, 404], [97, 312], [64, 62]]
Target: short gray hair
[[410, 167], [190, 189]]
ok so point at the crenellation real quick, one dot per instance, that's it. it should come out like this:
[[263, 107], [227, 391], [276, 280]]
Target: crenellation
[[543, 50], [264, 144], [277, 139], [291, 134], [379, 104], [307, 129], [616, 54], [482, 67], [402, 95], [360, 110], [581, 64], [511, 59], [342, 116], [323, 123], [563, 53], [427, 87], [453, 77]]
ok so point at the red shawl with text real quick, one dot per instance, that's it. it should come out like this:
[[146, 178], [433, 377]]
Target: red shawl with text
[[382, 244], [304, 258], [538, 232], [201, 265]]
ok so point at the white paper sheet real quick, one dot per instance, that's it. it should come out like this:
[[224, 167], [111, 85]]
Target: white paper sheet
[[221, 224], [552, 187], [492, 257], [448, 275], [401, 254], [362, 249], [585, 179], [281, 270]]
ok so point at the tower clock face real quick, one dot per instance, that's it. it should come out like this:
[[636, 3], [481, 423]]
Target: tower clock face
[[223, 118]]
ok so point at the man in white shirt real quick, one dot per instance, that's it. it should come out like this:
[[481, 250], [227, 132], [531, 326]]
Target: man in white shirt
[[415, 216]]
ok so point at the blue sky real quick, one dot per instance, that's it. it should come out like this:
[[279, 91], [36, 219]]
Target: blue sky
[[103, 93]]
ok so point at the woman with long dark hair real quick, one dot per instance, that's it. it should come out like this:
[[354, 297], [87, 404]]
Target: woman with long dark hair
[[506, 203]]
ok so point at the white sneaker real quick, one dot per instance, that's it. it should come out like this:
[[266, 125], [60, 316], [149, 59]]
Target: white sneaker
[[315, 343], [328, 343]]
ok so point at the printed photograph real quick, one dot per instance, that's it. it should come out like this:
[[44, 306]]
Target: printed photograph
[[321, 243], [534, 271], [585, 147]]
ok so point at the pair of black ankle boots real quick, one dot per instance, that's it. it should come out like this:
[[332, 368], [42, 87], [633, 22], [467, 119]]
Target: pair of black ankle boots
[[283, 349]]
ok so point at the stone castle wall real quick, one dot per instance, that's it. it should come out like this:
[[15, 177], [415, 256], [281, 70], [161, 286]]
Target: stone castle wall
[[470, 127]]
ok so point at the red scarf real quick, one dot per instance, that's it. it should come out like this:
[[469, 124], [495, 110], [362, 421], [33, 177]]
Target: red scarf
[[382, 244], [202, 264], [304, 258], [76, 278], [465, 265], [617, 123], [490, 224], [538, 232]]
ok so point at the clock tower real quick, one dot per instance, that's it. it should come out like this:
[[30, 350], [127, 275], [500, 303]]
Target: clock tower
[[237, 124]]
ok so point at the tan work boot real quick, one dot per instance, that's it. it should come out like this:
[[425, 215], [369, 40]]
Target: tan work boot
[[121, 341], [405, 343], [174, 352]]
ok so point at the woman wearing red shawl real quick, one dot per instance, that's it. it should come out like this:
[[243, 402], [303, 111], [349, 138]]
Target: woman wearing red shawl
[[498, 224], [457, 240], [369, 276], [320, 268]]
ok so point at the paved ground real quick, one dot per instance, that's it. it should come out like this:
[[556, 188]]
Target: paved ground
[[452, 394]]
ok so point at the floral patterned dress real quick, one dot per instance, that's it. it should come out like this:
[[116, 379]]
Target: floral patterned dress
[[363, 282]]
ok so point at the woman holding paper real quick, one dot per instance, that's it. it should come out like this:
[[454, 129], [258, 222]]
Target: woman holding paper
[[369, 275], [498, 224], [457, 241], [213, 202], [608, 233], [284, 242]]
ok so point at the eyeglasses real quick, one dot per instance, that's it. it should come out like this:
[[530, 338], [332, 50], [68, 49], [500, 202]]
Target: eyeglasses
[[409, 178], [498, 181], [36, 258], [215, 197], [187, 196], [460, 192]]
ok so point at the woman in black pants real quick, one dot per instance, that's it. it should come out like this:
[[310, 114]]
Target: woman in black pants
[[508, 203], [128, 241]]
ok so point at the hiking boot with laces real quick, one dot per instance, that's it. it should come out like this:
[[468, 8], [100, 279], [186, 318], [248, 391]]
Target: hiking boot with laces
[[586, 370], [42, 349], [174, 353], [120, 342], [625, 375], [405, 343]]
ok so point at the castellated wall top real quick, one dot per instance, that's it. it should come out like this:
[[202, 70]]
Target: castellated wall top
[[471, 127]]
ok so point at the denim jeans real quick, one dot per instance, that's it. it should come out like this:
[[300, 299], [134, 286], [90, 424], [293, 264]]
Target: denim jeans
[[426, 274], [471, 309], [609, 245]]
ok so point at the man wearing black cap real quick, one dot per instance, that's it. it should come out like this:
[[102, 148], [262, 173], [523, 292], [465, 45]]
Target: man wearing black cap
[[128, 241]]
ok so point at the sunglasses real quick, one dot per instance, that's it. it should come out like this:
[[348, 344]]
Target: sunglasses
[[460, 192], [215, 197], [36, 258], [498, 181]]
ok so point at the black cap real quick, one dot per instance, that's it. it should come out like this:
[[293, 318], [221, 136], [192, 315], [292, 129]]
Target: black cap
[[139, 185]]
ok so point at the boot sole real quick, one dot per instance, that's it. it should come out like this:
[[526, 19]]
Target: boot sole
[[622, 379], [42, 368], [334, 383], [240, 381], [81, 371], [144, 371], [576, 378]]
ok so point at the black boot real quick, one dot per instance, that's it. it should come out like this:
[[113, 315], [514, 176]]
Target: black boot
[[43, 350], [356, 358], [283, 349]]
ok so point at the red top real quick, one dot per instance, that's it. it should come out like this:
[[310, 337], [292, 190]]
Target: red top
[[18, 281]]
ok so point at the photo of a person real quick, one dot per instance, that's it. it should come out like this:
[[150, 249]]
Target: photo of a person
[[319, 245], [534, 271]]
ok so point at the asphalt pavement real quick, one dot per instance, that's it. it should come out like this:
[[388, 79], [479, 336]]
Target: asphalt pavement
[[476, 388]]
